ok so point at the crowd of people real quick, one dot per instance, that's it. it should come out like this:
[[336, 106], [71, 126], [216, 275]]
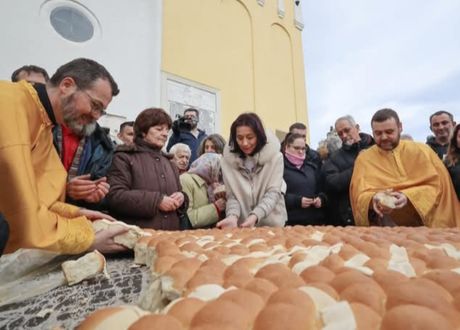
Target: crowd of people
[[60, 170]]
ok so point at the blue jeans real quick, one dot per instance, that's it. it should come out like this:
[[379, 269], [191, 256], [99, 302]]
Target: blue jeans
[[4, 232]]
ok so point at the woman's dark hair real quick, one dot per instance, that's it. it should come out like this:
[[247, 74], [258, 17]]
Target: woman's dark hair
[[453, 152], [217, 140], [289, 139], [148, 118], [253, 121]]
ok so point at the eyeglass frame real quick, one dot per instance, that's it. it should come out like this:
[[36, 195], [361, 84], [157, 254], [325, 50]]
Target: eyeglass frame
[[97, 108]]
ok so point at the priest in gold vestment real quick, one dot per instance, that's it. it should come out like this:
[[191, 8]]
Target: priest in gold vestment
[[411, 173]]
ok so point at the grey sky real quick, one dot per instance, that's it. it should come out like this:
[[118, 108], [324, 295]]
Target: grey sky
[[361, 56]]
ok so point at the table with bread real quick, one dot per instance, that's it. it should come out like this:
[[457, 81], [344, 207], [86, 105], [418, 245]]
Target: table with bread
[[289, 278]]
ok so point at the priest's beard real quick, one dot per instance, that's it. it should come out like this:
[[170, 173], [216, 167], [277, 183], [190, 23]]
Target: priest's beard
[[73, 119], [390, 144]]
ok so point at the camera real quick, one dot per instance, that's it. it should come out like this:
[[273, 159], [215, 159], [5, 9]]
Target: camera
[[181, 124]]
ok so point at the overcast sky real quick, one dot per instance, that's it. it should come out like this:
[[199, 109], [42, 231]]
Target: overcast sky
[[364, 55]]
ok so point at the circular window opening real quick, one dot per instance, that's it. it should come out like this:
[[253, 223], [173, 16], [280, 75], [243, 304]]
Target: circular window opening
[[71, 24]]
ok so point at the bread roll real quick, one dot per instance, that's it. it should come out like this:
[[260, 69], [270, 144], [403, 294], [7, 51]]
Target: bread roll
[[264, 288], [280, 275], [426, 293], [185, 309], [287, 317], [366, 318], [128, 239], [88, 266], [157, 322], [386, 199], [410, 316], [346, 278], [251, 302], [367, 293], [317, 274], [223, 313]]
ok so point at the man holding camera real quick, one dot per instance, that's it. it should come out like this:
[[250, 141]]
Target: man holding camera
[[185, 130]]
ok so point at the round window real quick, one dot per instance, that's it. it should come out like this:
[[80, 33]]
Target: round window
[[71, 24]]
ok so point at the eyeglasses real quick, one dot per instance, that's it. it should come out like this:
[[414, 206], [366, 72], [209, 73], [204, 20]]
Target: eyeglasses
[[97, 108]]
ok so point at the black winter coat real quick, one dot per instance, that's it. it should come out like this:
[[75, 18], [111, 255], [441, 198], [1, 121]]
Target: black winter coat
[[337, 172], [441, 150], [303, 182]]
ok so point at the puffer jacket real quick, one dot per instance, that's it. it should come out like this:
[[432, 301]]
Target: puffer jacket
[[259, 192], [337, 172], [139, 178]]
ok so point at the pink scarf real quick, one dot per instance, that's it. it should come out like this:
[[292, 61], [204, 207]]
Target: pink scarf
[[296, 160]]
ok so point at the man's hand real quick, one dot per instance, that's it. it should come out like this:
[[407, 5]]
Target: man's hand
[[250, 221], [168, 204], [381, 210], [82, 188], [95, 215], [306, 202], [228, 222], [104, 240]]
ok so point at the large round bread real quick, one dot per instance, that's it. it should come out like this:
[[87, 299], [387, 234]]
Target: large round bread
[[185, 310]]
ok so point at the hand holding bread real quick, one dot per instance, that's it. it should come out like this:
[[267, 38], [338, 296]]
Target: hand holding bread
[[384, 202]]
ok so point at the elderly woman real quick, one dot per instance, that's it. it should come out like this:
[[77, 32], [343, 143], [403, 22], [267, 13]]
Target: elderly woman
[[212, 143], [304, 199], [204, 187], [252, 167], [181, 154], [453, 159], [144, 184]]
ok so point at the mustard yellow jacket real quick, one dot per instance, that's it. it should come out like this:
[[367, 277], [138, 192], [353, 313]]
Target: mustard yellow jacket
[[32, 178]]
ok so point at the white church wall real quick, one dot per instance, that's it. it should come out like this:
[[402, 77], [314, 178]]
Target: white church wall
[[126, 40]]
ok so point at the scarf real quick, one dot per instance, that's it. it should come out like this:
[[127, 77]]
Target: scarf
[[207, 167], [296, 160]]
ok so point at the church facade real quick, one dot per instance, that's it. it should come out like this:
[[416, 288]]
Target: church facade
[[223, 57]]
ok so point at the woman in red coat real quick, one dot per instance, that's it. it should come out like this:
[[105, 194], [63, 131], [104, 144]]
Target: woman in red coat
[[144, 183]]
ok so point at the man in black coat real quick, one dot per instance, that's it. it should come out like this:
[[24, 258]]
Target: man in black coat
[[338, 169]]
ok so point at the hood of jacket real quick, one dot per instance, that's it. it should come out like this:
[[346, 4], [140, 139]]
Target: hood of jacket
[[265, 155]]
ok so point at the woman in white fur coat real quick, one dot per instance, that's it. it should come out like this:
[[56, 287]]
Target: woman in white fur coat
[[253, 167]]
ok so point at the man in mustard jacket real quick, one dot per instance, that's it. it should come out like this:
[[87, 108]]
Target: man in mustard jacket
[[32, 177]]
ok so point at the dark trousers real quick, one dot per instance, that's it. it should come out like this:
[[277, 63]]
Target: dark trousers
[[4, 232]]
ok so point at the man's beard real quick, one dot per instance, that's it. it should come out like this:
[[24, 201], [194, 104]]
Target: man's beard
[[394, 144], [72, 119]]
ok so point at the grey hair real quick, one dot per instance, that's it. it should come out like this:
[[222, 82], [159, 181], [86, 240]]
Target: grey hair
[[348, 118], [180, 147]]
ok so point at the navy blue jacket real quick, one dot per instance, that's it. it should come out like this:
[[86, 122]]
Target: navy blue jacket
[[96, 159]]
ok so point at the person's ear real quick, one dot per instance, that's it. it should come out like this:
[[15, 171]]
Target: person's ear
[[67, 85], [357, 127]]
